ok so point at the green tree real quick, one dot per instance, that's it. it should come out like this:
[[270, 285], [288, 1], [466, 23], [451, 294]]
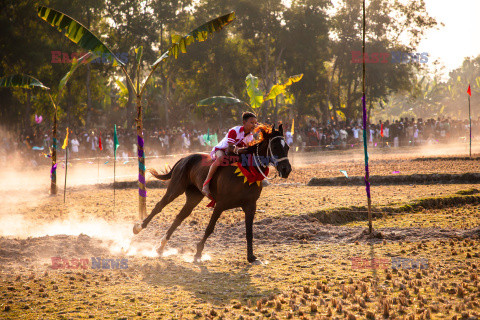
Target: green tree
[[388, 24], [77, 33]]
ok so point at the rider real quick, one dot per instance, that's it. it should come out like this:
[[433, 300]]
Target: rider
[[235, 141]]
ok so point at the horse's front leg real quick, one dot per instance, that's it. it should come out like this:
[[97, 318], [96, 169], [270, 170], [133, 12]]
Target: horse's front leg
[[249, 210]]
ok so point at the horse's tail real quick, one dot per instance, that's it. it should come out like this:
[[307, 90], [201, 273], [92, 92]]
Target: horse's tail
[[166, 176]]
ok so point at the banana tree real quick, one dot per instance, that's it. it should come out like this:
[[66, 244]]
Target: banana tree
[[257, 96], [29, 82], [79, 34]]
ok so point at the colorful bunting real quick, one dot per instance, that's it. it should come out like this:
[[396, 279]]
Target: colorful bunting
[[53, 171]]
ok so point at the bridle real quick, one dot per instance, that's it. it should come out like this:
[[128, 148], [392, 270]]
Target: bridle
[[271, 158]]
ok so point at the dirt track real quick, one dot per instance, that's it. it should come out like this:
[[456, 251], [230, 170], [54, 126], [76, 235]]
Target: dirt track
[[308, 269]]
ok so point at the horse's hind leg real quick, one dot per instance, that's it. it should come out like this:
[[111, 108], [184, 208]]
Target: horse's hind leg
[[173, 191], [194, 196], [211, 226]]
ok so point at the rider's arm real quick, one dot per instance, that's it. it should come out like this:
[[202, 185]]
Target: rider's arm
[[241, 150], [232, 149]]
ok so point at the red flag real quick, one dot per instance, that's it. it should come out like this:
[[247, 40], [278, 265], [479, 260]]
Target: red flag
[[100, 143], [381, 130], [469, 91]]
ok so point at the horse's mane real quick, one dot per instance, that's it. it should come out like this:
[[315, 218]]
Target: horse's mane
[[261, 129]]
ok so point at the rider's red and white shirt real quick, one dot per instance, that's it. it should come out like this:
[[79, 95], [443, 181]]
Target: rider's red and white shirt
[[236, 136]]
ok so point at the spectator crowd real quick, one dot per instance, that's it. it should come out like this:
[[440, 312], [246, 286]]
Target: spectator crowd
[[399, 133], [181, 140]]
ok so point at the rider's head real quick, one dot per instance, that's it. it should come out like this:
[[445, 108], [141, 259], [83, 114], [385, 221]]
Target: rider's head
[[249, 121]]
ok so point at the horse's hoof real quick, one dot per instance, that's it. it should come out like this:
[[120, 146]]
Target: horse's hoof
[[256, 262], [160, 251], [252, 259], [161, 248], [137, 228], [197, 259]]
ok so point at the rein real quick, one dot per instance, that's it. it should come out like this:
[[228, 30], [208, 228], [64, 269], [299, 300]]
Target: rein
[[271, 158]]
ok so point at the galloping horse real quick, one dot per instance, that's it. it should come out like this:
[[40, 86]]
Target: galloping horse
[[229, 190]]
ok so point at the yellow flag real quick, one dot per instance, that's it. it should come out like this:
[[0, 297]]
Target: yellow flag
[[65, 142], [293, 126]]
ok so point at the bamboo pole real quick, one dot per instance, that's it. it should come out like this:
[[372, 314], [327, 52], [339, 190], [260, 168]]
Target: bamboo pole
[[53, 172], [66, 169], [98, 169], [142, 190], [114, 169], [365, 120], [470, 117], [115, 146]]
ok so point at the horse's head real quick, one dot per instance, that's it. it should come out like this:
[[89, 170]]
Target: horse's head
[[277, 150]]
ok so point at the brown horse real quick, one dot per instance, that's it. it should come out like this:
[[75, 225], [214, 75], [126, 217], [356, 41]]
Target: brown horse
[[229, 190]]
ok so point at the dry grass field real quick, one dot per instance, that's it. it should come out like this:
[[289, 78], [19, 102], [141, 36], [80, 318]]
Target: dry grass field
[[318, 260]]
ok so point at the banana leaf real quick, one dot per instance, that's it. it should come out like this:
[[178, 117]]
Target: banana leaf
[[21, 81], [76, 32], [138, 54], [123, 88], [86, 58], [288, 98], [255, 94], [123, 93], [179, 43], [280, 88], [219, 100], [341, 115]]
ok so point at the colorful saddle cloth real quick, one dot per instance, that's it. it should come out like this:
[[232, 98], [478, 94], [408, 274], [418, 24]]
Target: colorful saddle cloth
[[250, 175]]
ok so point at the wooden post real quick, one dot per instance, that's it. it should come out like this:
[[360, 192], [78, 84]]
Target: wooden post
[[142, 190], [53, 185], [115, 146], [470, 118], [365, 127], [66, 169]]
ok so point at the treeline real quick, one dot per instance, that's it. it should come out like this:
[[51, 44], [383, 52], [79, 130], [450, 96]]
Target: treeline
[[269, 39]]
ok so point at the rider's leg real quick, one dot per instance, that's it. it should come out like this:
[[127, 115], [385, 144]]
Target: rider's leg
[[220, 155]]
